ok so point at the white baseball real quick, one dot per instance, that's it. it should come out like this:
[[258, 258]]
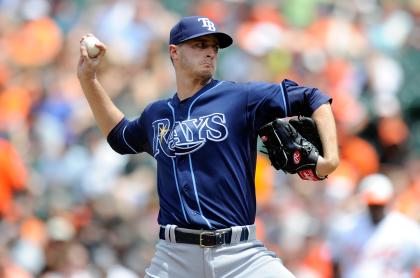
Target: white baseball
[[90, 44]]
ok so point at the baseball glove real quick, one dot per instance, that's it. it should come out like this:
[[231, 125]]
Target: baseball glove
[[293, 146]]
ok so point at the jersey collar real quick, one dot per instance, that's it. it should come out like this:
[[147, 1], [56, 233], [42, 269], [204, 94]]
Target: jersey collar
[[208, 86]]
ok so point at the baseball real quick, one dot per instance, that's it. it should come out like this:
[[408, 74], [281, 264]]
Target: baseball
[[90, 44]]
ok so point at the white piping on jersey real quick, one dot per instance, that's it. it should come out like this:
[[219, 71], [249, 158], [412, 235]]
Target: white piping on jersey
[[196, 194], [189, 156], [177, 189], [284, 100], [123, 134], [192, 103], [175, 177]]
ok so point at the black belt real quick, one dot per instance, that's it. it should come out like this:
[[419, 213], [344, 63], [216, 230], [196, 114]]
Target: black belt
[[206, 238]]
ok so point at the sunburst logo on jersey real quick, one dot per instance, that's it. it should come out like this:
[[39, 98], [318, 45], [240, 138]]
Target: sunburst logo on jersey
[[162, 132]]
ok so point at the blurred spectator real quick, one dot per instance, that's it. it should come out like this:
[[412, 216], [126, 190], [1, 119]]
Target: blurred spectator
[[376, 242]]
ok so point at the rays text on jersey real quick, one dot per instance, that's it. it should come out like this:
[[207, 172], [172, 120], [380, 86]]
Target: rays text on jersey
[[184, 137]]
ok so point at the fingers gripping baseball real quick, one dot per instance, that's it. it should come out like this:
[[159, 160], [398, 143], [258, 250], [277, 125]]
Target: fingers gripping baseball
[[91, 52]]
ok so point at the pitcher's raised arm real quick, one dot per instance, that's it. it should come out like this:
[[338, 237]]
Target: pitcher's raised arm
[[106, 114]]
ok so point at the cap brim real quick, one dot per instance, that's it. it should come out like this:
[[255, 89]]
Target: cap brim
[[224, 39], [376, 201]]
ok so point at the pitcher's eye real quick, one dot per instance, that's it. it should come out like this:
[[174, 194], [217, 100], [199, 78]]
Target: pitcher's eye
[[204, 45], [201, 45]]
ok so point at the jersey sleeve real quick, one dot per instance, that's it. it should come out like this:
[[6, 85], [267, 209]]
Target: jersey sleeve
[[268, 101], [129, 137], [304, 100]]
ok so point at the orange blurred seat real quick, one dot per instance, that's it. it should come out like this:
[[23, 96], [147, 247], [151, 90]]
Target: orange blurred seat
[[264, 178], [15, 104], [318, 259], [35, 43], [13, 176], [408, 201], [361, 154]]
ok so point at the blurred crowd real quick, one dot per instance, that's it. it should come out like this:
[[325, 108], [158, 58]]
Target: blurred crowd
[[71, 207]]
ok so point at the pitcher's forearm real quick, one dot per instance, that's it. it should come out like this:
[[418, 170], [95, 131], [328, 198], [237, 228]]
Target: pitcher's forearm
[[324, 119], [106, 114]]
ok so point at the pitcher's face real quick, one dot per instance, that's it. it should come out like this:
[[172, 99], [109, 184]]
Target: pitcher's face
[[198, 56]]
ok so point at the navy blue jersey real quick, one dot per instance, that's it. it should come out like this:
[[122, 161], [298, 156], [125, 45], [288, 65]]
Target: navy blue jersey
[[206, 147]]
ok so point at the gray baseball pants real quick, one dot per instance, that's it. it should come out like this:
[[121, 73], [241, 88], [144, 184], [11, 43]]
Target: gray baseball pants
[[239, 259]]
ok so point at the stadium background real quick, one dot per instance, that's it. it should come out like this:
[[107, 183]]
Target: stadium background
[[68, 204]]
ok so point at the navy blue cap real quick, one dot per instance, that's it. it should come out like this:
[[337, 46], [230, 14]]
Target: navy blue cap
[[191, 27]]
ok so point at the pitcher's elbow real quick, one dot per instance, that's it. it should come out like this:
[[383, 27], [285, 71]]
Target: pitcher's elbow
[[333, 163]]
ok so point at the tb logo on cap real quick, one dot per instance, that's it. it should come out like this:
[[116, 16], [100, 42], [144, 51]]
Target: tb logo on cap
[[207, 23]]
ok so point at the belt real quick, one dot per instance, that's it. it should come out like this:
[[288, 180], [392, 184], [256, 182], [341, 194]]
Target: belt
[[205, 238]]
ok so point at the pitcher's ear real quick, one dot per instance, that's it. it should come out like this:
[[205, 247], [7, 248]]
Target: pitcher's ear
[[173, 51]]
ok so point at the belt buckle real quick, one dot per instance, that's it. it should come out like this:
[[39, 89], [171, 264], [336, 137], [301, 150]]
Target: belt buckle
[[210, 234]]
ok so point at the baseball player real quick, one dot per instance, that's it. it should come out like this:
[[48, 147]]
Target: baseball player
[[376, 242], [204, 141]]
